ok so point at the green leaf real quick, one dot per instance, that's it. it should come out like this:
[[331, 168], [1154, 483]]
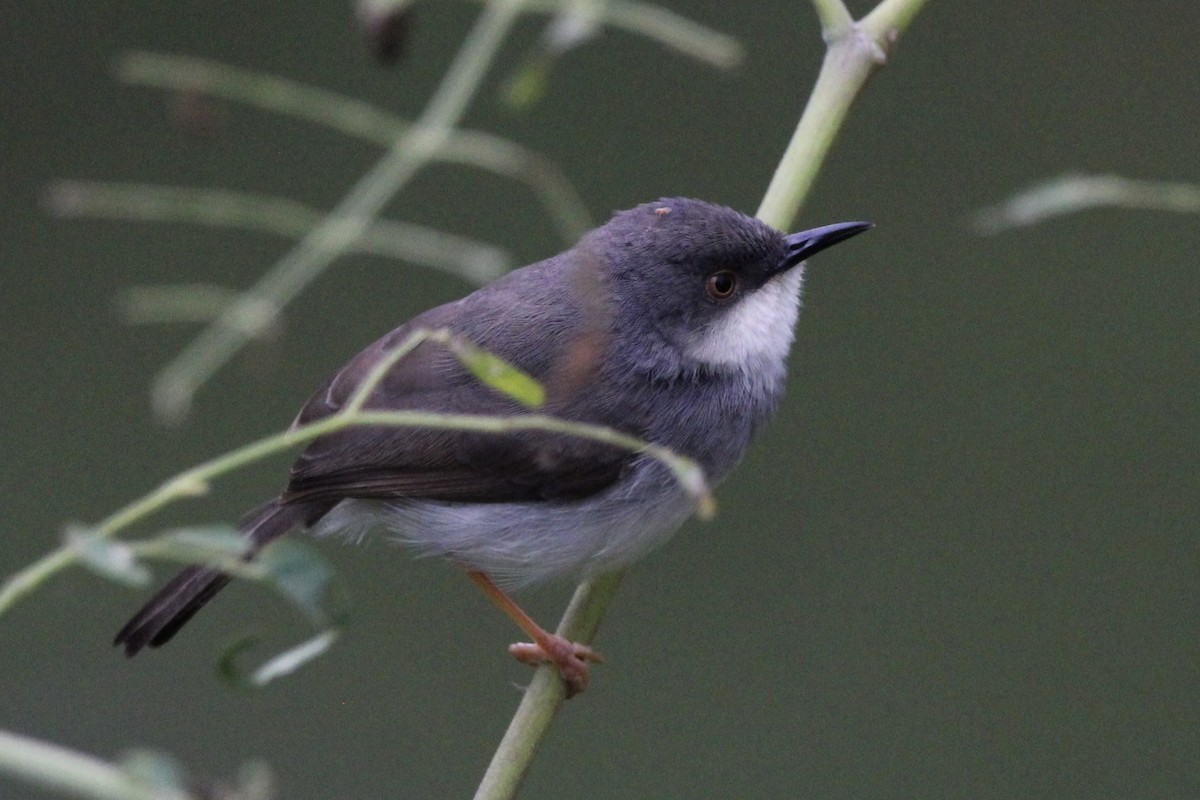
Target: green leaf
[[113, 559], [299, 573], [278, 666], [227, 667], [293, 658], [497, 373]]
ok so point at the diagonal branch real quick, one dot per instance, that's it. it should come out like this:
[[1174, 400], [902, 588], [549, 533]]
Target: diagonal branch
[[195, 481], [177, 383], [855, 50], [851, 58], [357, 118]]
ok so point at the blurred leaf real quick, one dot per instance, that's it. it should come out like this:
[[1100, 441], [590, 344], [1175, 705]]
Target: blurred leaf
[[527, 84], [113, 559], [204, 543], [255, 782], [155, 770], [498, 374], [227, 668], [570, 28], [292, 659], [279, 666], [299, 572]]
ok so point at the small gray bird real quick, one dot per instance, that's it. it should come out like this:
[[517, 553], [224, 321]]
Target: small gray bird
[[671, 323]]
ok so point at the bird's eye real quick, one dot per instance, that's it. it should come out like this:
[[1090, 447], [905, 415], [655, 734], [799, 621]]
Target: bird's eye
[[721, 285]]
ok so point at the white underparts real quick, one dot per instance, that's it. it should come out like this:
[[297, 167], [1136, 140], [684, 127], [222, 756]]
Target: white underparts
[[531, 542], [757, 331]]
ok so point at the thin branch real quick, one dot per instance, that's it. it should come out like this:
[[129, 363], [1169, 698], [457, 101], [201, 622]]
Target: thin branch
[[61, 769], [1070, 194], [371, 381], [848, 63], [361, 120], [177, 383], [195, 481], [835, 17], [854, 53], [546, 693], [674, 31], [889, 19], [850, 60], [178, 302], [467, 258]]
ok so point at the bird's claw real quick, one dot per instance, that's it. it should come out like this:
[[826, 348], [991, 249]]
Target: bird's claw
[[571, 658]]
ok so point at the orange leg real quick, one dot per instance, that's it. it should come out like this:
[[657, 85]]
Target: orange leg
[[547, 648]]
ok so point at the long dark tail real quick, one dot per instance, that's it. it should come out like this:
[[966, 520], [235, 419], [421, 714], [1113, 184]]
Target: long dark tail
[[187, 592]]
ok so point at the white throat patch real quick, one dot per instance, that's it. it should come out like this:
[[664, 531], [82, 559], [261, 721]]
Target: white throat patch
[[758, 331]]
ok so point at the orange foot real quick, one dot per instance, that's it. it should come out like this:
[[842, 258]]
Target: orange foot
[[570, 658]]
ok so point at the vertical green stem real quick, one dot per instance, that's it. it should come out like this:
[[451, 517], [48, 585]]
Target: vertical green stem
[[545, 693], [854, 52]]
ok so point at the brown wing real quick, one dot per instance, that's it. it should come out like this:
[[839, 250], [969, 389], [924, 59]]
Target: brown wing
[[558, 341]]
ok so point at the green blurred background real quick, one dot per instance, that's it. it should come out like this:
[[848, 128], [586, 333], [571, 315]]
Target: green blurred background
[[962, 563]]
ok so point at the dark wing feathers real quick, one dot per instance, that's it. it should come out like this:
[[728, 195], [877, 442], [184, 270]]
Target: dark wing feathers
[[560, 346]]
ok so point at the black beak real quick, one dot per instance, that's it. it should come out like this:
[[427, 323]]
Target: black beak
[[806, 243]]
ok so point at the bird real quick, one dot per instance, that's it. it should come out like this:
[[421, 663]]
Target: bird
[[671, 323]]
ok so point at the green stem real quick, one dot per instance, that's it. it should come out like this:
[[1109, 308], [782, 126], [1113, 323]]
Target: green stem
[[851, 58], [475, 261], [855, 51], [195, 481], [24, 582], [834, 16], [178, 382], [354, 117], [546, 692], [890, 18], [672, 30], [847, 65]]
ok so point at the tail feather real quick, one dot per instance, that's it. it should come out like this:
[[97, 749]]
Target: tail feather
[[188, 592]]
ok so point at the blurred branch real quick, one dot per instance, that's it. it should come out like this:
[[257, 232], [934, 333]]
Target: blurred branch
[[60, 769], [1071, 194], [196, 480], [179, 302], [361, 120], [177, 383], [140, 775], [475, 261], [411, 149], [674, 31], [656, 23]]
